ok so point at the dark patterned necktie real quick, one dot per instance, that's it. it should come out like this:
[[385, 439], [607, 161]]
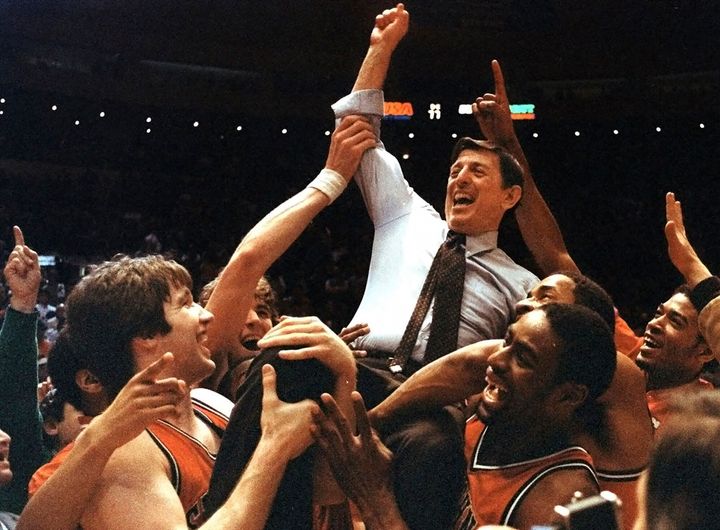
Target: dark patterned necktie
[[444, 282]]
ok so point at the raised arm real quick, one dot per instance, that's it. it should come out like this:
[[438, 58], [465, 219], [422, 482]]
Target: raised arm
[[449, 379], [270, 238], [705, 293], [19, 415], [537, 224], [681, 252], [61, 501], [390, 27]]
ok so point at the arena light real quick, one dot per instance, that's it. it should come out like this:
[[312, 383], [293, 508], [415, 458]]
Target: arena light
[[2, 101], [658, 129], [238, 128], [196, 124], [616, 132], [53, 108], [284, 131], [102, 114], [411, 135], [77, 122], [454, 135], [702, 125], [148, 119], [535, 135], [147, 131], [406, 156], [327, 133]]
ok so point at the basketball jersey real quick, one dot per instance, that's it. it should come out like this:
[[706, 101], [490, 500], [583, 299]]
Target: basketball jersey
[[191, 463], [624, 485], [495, 492]]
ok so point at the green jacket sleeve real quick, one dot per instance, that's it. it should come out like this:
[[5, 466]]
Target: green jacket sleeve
[[19, 414]]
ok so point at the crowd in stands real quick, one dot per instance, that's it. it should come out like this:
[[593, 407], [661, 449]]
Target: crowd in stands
[[355, 359]]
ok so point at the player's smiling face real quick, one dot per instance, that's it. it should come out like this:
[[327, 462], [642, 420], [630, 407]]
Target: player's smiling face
[[521, 375]]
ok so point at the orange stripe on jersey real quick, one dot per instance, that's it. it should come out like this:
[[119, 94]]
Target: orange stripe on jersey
[[191, 463], [496, 491]]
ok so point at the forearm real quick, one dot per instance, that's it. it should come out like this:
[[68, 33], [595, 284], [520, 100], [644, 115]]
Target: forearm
[[249, 504], [537, 223], [374, 68], [326, 491], [259, 249], [382, 512], [61, 501], [447, 380]]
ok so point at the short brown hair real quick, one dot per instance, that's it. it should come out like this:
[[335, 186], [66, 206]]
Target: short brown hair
[[118, 301]]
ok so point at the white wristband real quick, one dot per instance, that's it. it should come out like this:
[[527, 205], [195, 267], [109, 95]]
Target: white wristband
[[329, 182]]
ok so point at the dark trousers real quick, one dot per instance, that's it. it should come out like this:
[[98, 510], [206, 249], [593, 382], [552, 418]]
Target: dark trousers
[[428, 465]]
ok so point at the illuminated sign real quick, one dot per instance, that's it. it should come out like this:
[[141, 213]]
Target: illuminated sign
[[434, 111], [522, 111], [395, 110]]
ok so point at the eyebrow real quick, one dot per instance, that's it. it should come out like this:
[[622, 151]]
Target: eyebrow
[[182, 294], [676, 314], [528, 350], [472, 163]]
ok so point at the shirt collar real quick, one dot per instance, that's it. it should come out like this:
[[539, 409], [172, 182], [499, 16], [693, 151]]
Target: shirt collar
[[481, 242]]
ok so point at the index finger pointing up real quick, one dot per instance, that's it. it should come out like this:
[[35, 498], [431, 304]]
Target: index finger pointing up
[[501, 95], [19, 238]]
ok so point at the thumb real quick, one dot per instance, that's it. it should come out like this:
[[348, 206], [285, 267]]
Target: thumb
[[269, 382]]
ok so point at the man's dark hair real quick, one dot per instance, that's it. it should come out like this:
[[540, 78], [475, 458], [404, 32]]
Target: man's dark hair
[[589, 294], [587, 356], [510, 170], [120, 300], [62, 365]]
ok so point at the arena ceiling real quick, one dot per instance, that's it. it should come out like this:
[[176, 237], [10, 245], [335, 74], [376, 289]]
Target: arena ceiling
[[294, 56]]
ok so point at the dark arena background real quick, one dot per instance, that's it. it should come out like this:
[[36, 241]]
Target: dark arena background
[[174, 126]]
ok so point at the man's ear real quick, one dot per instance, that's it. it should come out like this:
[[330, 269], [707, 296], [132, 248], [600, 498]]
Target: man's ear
[[511, 196], [87, 382], [572, 394], [143, 346], [50, 427], [705, 354]]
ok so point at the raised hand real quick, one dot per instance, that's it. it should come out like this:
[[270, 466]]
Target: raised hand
[[681, 252], [492, 111], [144, 399], [317, 341], [350, 140], [22, 274], [285, 424], [361, 464], [390, 27]]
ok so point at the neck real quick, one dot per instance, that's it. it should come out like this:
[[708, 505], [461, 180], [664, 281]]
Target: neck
[[183, 417], [657, 382]]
